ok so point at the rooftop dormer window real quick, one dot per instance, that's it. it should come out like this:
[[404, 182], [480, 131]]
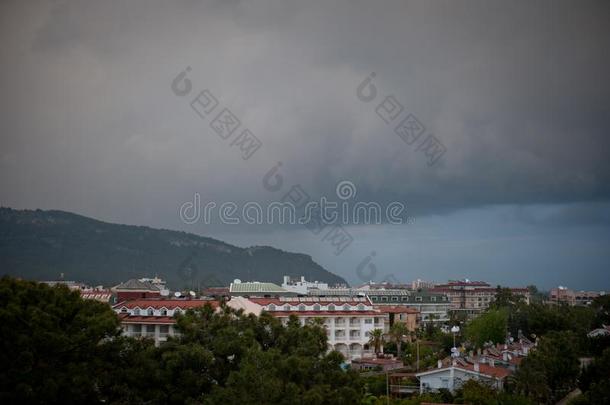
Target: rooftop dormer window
[[271, 307]]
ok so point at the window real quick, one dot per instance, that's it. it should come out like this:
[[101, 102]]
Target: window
[[374, 299], [361, 307], [394, 298], [331, 307], [302, 307], [151, 312], [433, 299], [163, 311], [346, 307], [136, 312], [286, 307], [404, 298], [271, 307], [316, 307], [419, 299], [384, 298], [123, 310], [164, 329], [368, 320], [177, 311]]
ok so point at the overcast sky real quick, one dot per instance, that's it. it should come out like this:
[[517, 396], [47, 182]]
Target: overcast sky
[[517, 92]]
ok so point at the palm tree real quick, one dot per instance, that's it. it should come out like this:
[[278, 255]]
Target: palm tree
[[376, 339], [397, 333]]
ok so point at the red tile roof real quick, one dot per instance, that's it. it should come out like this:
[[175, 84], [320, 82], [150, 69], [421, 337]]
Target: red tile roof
[[396, 310], [485, 369], [326, 313], [498, 372], [316, 300], [100, 295], [165, 303], [375, 360], [126, 318]]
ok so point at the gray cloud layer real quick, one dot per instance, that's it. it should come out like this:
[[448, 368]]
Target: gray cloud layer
[[518, 93]]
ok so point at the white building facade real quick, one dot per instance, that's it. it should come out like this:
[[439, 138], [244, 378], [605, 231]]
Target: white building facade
[[348, 320], [154, 318], [452, 377]]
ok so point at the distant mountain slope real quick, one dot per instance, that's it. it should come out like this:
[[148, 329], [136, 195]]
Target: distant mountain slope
[[42, 244]]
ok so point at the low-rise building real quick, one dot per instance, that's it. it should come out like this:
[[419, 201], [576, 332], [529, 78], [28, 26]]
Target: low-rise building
[[135, 289], [257, 289], [301, 286], [105, 296], [453, 376], [564, 295], [473, 297], [432, 307], [377, 364], [154, 318], [348, 320], [408, 316], [491, 365]]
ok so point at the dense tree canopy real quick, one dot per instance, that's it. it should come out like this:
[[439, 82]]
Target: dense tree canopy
[[488, 327], [550, 371], [59, 348], [52, 343]]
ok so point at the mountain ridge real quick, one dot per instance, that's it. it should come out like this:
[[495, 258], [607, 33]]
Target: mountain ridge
[[42, 244]]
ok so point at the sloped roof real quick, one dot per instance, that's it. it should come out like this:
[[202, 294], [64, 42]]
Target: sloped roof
[[134, 284], [484, 369], [338, 301], [268, 288], [396, 309], [165, 303]]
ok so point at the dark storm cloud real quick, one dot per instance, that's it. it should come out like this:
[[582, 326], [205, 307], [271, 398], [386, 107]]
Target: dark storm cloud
[[517, 92]]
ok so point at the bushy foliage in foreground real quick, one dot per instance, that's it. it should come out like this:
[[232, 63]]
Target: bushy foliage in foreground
[[58, 348]]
